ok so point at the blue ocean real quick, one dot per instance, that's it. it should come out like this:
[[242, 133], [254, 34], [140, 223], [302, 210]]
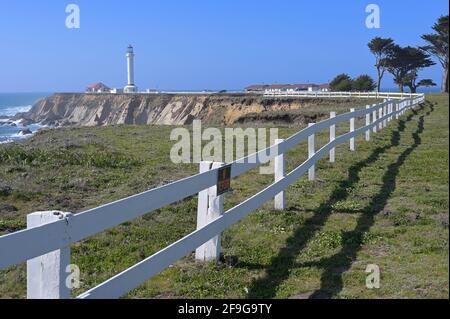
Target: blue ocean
[[10, 105]]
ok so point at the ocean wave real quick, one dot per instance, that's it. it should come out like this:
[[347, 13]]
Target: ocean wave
[[13, 110], [7, 120], [16, 137], [7, 141], [10, 134]]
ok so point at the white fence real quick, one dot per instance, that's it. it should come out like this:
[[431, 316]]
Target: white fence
[[363, 95], [45, 244]]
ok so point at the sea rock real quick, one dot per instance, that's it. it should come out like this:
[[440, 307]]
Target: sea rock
[[25, 132], [26, 122]]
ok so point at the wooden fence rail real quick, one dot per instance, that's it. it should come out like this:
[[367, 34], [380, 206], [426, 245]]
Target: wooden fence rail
[[45, 245]]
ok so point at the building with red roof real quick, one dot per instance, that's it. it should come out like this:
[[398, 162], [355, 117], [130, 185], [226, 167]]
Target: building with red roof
[[98, 88]]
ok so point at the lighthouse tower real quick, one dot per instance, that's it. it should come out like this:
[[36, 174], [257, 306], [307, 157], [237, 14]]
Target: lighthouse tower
[[131, 87]]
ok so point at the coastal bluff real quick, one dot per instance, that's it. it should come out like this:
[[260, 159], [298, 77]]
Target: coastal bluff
[[78, 109]]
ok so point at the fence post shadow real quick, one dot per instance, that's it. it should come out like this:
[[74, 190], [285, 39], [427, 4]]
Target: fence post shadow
[[331, 282]]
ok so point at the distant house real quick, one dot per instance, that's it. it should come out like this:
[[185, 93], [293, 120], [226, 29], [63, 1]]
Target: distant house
[[324, 87], [98, 88], [116, 91], [275, 88]]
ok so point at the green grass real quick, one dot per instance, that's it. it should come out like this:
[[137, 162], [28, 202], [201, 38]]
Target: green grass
[[386, 204]]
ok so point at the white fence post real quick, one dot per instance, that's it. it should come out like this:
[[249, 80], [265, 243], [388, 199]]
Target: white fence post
[[385, 113], [380, 116], [374, 119], [210, 251], [391, 110], [367, 124], [202, 210], [47, 274], [352, 129], [311, 153], [279, 175], [332, 138]]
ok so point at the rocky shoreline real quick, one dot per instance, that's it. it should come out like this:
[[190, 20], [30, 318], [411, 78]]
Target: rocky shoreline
[[13, 129]]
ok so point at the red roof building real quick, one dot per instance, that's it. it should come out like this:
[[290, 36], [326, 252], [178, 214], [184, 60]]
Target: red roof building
[[98, 88]]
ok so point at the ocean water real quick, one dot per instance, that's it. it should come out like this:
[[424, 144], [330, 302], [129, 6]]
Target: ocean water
[[10, 105]]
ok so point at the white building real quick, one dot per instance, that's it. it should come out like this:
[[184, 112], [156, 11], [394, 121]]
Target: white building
[[288, 88], [116, 91], [98, 88], [131, 87]]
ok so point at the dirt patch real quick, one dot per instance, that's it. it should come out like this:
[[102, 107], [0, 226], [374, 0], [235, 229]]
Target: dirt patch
[[442, 218], [280, 117]]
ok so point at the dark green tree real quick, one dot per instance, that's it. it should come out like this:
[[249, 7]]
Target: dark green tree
[[438, 47], [363, 83], [426, 83], [342, 83], [397, 66], [411, 81], [405, 63], [381, 49]]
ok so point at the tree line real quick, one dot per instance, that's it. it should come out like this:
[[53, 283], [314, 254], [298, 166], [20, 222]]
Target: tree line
[[403, 63]]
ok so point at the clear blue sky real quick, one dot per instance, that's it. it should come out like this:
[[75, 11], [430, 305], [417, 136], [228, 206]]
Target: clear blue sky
[[199, 44]]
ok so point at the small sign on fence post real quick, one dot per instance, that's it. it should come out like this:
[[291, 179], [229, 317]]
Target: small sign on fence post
[[224, 180]]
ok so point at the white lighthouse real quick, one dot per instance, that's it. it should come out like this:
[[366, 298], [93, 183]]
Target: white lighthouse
[[131, 87]]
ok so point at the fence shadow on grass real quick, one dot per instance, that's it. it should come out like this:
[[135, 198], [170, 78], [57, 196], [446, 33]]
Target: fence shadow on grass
[[331, 282]]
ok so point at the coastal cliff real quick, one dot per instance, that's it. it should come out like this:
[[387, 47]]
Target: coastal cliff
[[76, 109]]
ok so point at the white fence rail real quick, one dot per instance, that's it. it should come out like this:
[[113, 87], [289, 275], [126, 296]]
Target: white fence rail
[[45, 245], [363, 95]]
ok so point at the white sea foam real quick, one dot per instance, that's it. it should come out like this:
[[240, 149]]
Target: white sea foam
[[6, 141], [13, 110]]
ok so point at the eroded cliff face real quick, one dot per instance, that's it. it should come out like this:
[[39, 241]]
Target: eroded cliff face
[[160, 109]]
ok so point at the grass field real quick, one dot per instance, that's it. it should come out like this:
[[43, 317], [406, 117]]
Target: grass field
[[385, 204]]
